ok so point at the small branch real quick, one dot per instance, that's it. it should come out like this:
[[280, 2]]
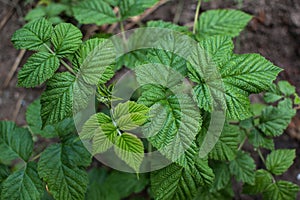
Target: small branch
[[196, 16], [18, 106], [9, 13], [14, 68], [178, 13]]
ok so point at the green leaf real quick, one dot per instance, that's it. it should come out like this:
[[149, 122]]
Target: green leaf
[[222, 177], [66, 38], [286, 88], [23, 184], [271, 97], [130, 149], [176, 182], [58, 98], [59, 168], [38, 68], [94, 12], [274, 120], [35, 13], [100, 129], [222, 22], [130, 115], [15, 142], [4, 173], [278, 161], [227, 145], [204, 193], [243, 168], [257, 139], [168, 25], [281, 190], [129, 8], [262, 180], [33, 35]]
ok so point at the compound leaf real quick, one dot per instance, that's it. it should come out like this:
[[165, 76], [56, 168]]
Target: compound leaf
[[33, 35], [129, 8], [262, 180], [222, 22], [23, 184], [66, 38], [243, 168], [58, 98], [94, 12], [278, 161], [281, 190], [130, 149], [38, 68], [15, 142]]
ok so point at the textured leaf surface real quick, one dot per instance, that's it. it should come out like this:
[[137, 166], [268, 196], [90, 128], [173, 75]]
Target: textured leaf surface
[[262, 180], [175, 182], [129, 8], [222, 22], [130, 115], [33, 35], [14, 142], [130, 149], [281, 190], [279, 161], [58, 98], [23, 184], [168, 25], [286, 88], [38, 68], [94, 12], [243, 168], [59, 168], [222, 177], [257, 139], [274, 120], [66, 38]]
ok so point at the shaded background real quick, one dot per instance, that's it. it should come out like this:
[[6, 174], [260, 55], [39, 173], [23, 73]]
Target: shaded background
[[274, 32]]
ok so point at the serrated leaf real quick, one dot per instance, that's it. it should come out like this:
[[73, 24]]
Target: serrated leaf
[[94, 12], [33, 35], [23, 184], [100, 129], [281, 190], [222, 177], [130, 115], [130, 149], [4, 173], [262, 180], [38, 68], [57, 100], [205, 193], [227, 145], [222, 22], [15, 142], [257, 139], [168, 25], [243, 168], [129, 8], [274, 120], [66, 39], [176, 182], [278, 161], [60, 170], [286, 88]]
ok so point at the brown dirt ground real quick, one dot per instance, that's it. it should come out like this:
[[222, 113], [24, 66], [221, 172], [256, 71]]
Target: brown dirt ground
[[274, 33]]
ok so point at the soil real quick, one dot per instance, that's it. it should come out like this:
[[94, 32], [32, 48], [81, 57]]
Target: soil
[[274, 33]]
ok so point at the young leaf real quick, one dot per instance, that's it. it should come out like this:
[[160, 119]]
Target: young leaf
[[23, 184], [222, 22], [281, 190], [130, 115], [100, 129], [176, 182], [243, 168], [58, 98], [33, 35], [278, 161], [59, 168], [129, 8], [66, 39], [38, 68], [274, 120], [94, 12], [14, 142], [286, 88], [262, 180], [257, 139], [130, 149]]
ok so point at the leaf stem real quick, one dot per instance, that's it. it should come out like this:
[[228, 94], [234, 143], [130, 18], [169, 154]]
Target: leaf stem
[[196, 16], [261, 156], [242, 144]]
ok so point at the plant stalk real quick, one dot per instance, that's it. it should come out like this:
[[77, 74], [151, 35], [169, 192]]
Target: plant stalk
[[196, 16]]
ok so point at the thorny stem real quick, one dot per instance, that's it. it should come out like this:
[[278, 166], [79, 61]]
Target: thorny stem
[[62, 62], [196, 16]]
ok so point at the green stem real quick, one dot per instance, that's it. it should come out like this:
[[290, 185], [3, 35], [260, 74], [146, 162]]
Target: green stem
[[196, 16], [242, 144], [62, 62], [261, 156]]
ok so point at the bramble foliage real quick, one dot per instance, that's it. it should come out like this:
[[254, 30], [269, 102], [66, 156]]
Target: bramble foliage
[[175, 124]]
